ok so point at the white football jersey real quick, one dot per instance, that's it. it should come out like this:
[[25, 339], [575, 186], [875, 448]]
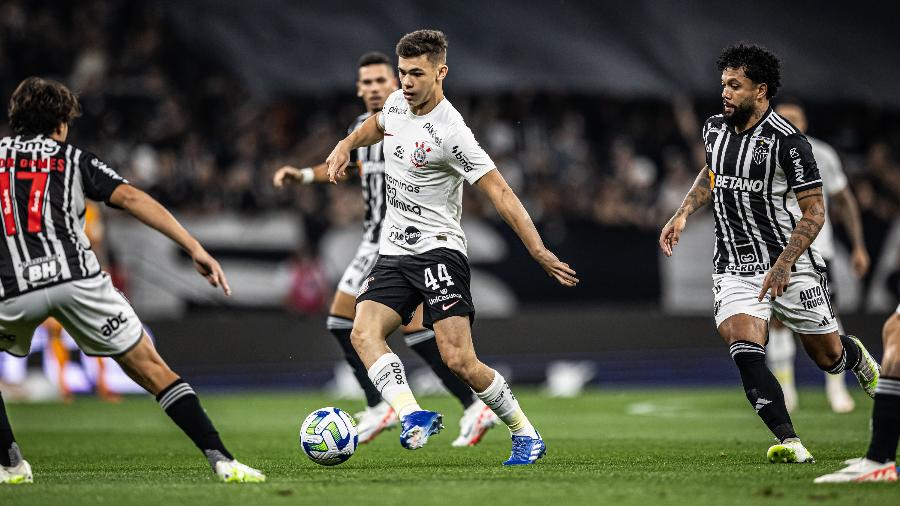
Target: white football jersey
[[833, 181], [426, 159]]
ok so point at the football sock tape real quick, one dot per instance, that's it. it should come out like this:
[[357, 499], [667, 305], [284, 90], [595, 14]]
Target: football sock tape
[[503, 403], [389, 377]]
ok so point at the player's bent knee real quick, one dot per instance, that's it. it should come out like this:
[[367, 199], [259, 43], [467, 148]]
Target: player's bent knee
[[462, 364]]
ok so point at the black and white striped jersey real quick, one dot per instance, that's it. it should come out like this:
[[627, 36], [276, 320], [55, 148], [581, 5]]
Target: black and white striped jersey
[[370, 161], [754, 177], [43, 185]]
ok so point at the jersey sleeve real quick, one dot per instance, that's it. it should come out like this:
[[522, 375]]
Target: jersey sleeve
[[798, 163], [707, 147], [465, 156], [99, 179], [354, 158], [833, 178]]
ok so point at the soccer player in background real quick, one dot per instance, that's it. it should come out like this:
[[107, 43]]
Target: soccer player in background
[[429, 152], [47, 267], [762, 180], [880, 461], [375, 81], [839, 203]]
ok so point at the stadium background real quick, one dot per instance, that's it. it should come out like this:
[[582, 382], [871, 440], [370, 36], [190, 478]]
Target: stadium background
[[592, 114]]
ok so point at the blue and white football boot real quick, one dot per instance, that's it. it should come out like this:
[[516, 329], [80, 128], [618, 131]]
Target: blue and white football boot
[[526, 450], [418, 426]]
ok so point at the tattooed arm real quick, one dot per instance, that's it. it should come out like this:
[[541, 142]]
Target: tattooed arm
[[697, 197], [813, 206]]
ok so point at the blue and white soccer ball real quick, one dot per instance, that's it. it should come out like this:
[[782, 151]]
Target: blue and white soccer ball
[[328, 436]]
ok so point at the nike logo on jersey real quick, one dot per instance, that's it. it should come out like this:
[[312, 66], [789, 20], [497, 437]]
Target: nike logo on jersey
[[448, 306]]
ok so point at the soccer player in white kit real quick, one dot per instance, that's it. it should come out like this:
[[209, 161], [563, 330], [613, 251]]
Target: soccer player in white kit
[[375, 82], [429, 152], [839, 203]]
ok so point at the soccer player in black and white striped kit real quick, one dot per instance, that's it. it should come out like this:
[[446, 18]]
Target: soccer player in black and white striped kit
[[47, 267], [762, 181], [375, 81]]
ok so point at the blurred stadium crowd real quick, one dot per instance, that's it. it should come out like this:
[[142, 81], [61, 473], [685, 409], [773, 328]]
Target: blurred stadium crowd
[[180, 126]]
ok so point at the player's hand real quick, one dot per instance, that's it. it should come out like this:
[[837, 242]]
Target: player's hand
[[337, 162], [556, 268], [860, 261], [671, 232], [210, 269], [285, 175], [776, 281]]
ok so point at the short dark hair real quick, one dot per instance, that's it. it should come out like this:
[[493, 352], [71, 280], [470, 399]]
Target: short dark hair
[[374, 58], [39, 106], [760, 65], [432, 43]]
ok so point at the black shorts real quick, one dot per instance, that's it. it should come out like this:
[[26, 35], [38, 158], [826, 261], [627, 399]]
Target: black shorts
[[438, 278]]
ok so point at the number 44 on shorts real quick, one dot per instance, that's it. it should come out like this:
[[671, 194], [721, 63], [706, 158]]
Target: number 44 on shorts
[[432, 283]]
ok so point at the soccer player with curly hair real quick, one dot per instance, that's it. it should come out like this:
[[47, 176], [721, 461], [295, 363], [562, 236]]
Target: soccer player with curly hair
[[764, 186]]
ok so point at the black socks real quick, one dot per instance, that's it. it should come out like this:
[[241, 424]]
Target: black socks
[[8, 449], [180, 402], [762, 389], [340, 328], [885, 421]]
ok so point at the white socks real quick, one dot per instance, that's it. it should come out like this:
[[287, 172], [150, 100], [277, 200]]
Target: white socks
[[503, 403], [389, 377], [780, 353]]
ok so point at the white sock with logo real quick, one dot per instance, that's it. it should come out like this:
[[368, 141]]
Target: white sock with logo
[[389, 377], [503, 403]]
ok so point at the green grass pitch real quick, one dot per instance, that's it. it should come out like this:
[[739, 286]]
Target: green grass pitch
[[679, 446]]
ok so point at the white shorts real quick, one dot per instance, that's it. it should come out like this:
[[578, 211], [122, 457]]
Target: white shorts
[[359, 268], [804, 307], [97, 316]]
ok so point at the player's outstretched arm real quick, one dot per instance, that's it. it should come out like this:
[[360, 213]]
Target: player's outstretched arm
[[513, 212], [813, 206], [367, 134], [146, 209], [307, 175], [844, 206], [698, 196]]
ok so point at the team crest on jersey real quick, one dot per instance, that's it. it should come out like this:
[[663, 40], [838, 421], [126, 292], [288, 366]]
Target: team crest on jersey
[[419, 157], [761, 149]]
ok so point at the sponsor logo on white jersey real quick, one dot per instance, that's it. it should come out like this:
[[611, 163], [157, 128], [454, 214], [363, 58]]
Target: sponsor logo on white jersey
[[400, 237]]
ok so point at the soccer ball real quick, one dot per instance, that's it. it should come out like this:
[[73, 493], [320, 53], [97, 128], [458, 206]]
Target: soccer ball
[[328, 436]]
